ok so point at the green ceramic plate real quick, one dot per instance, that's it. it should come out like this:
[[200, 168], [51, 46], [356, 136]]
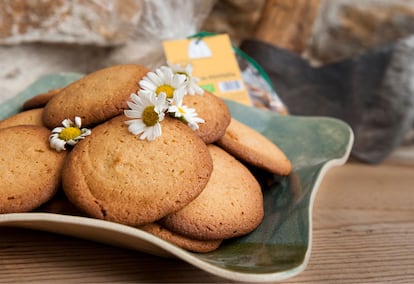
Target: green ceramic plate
[[279, 248]]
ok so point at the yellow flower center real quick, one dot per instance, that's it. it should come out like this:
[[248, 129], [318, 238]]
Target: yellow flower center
[[181, 110], [167, 89], [69, 133], [149, 116]]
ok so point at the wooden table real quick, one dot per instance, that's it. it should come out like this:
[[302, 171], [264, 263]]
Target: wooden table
[[363, 233]]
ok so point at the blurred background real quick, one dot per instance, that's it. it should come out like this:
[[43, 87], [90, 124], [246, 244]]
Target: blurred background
[[349, 59]]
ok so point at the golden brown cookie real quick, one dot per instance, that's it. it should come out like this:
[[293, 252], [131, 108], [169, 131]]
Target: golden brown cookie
[[215, 113], [194, 245], [29, 170], [59, 204], [40, 100], [113, 175], [249, 145], [28, 117], [96, 97], [231, 205]]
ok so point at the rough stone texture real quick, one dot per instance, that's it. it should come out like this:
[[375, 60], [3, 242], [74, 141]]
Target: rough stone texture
[[345, 28], [341, 29], [84, 35], [105, 22], [21, 65], [238, 18], [373, 92], [287, 24]]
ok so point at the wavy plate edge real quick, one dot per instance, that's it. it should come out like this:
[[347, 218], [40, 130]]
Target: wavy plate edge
[[43, 221], [152, 244]]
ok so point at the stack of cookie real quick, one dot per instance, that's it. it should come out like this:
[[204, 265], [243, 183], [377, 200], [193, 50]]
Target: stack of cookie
[[191, 187]]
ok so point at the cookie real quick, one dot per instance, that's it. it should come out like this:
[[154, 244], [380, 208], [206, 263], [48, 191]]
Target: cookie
[[28, 117], [114, 175], [95, 97], [59, 204], [215, 113], [200, 246], [29, 170], [40, 100], [250, 146], [231, 205]]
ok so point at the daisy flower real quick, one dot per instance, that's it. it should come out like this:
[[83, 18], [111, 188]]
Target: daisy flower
[[70, 134], [190, 116], [163, 80], [184, 113], [191, 83], [147, 110]]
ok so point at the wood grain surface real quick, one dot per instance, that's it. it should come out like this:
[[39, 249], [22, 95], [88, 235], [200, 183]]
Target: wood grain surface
[[363, 232]]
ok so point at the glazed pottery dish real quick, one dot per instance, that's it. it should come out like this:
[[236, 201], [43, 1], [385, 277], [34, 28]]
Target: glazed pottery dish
[[279, 248]]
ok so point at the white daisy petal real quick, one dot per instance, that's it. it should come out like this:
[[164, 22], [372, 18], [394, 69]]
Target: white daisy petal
[[67, 123], [161, 75], [191, 83], [143, 136], [131, 121], [162, 90], [62, 136], [72, 142], [191, 117], [145, 92], [165, 74], [134, 106], [147, 99], [176, 68], [161, 103], [156, 131], [174, 109], [135, 98], [146, 134], [178, 97], [151, 133], [197, 89], [192, 125], [178, 81], [156, 80], [189, 69], [147, 84], [161, 116], [132, 113], [57, 144], [136, 127], [53, 136], [86, 132], [195, 80], [78, 122], [57, 129]]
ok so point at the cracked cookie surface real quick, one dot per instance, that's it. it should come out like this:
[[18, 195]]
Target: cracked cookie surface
[[113, 175]]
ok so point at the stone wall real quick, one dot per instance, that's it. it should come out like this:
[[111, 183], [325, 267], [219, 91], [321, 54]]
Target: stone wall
[[35, 35], [105, 22], [38, 37], [339, 30], [345, 28]]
